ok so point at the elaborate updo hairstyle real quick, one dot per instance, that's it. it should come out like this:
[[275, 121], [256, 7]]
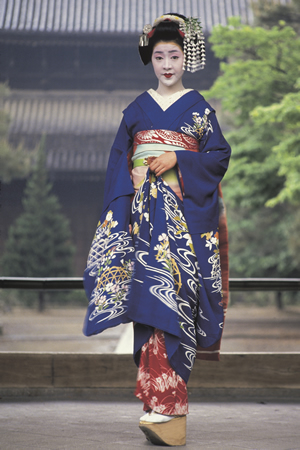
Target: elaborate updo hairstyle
[[186, 32], [165, 31]]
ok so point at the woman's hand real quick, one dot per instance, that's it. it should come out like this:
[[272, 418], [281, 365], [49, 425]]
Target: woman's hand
[[163, 163]]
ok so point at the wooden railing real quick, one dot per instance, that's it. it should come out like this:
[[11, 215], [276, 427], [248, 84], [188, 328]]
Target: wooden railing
[[235, 284]]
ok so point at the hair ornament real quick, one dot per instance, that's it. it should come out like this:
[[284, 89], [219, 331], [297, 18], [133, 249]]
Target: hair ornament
[[170, 17], [193, 39], [144, 38], [193, 44]]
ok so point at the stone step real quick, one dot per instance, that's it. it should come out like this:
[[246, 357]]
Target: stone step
[[89, 370]]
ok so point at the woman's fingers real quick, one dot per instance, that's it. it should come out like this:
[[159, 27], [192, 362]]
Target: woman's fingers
[[159, 171], [157, 167], [163, 163]]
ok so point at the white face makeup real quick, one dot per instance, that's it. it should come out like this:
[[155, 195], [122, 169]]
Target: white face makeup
[[167, 61]]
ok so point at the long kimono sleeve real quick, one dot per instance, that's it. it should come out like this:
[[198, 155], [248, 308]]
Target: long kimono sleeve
[[109, 259], [201, 173], [118, 182]]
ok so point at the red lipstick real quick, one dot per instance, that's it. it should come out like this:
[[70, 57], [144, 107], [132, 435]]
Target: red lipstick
[[168, 75]]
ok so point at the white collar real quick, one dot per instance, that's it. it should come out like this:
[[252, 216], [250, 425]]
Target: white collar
[[166, 102]]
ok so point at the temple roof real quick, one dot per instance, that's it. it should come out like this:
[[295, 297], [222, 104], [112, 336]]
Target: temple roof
[[94, 16], [80, 126], [66, 112]]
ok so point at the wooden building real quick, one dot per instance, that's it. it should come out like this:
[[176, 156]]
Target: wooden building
[[72, 67]]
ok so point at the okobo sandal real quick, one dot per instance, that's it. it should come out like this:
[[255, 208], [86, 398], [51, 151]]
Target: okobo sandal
[[164, 430]]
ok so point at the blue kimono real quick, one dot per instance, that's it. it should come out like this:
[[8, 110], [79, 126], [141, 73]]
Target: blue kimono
[[165, 273]]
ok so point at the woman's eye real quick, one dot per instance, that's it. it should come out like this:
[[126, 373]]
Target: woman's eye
[[158, 58], [175, 57]]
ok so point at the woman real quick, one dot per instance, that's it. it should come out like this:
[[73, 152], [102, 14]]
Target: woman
[[155, 258]]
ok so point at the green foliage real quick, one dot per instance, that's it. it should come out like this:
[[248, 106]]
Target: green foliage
[[263, 68], [262, 242], [15, 162], [268, 13], [39, 242], [253, 168], [258, 88], [284, 117]]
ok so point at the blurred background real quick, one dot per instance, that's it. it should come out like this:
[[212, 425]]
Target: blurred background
[[67, 70]]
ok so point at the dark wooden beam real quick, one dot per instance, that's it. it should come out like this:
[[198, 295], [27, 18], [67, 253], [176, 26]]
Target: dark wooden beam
[[235, 284]]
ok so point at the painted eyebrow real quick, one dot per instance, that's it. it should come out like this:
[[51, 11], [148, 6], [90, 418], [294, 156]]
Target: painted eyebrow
[[171, 51]]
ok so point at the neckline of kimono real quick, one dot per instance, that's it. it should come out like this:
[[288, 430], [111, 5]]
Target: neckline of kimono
[[166, 102]]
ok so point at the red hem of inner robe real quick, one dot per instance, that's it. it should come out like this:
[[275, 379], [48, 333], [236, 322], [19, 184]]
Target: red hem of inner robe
[[158, 385]]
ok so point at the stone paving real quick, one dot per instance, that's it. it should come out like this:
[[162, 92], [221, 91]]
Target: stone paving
[[81, 425]]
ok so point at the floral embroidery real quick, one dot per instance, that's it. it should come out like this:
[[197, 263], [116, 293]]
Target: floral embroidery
[[135, 228], [163, 252], [201, 125], [103, 232], [189, 241], [153, 190], [181, 228], [212, 240], [112, 282], [108, 223]]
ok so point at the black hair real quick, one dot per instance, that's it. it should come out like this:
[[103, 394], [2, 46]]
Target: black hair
[[166, 31]]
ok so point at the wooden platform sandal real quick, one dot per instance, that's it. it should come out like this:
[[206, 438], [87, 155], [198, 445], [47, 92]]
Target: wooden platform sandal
[[170, 432]]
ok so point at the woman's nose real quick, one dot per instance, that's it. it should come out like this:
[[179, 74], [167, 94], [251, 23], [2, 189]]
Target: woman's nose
[[167, 63]]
